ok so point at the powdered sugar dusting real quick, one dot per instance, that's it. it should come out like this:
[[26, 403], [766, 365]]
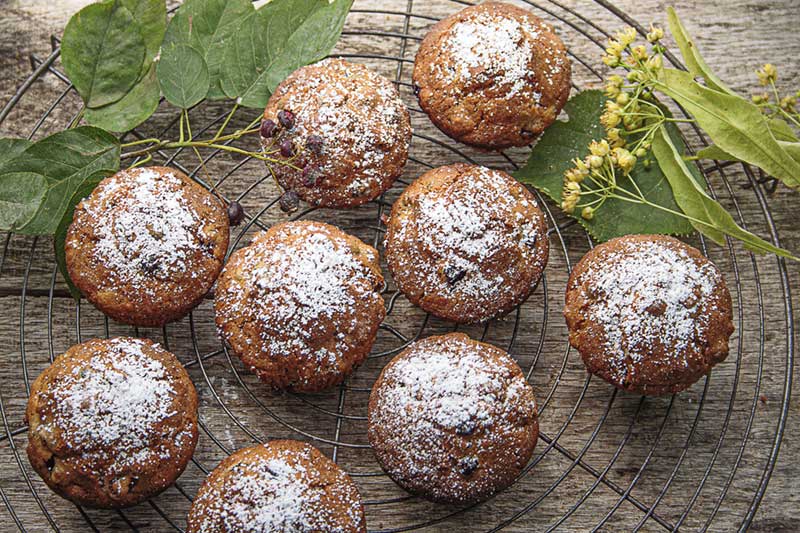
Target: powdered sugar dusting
[[297, 277], [114, 403], [145, 227], [487, 46], [265, 494], [650, 296], [474, 221], [442, 388]]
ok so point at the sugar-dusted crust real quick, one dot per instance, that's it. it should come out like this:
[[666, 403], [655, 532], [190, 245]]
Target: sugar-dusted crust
[[301, 305], [466, 243], [112, 422], [284, 485], [452, 420], [648, 313], [492, 75], [147, 245], [363, 127]]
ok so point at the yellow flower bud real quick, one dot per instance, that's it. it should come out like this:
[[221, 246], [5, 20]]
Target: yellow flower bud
[[655, 34], [788, 103], [640, 152], [610, 120], [626, 36], [655, 63], [595, 161], [639, 52], [623, 99], [587, 213], [600, 148], [767, 74], [625, 160], [762, 98]]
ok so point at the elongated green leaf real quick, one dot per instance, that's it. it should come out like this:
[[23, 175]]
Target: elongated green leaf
[[103, 52], [709, 217], [207, 26], [134, 108], [276, 40], [60, 236], [716, 153], [691, 55], [182, 75], [734, 124], [37, 185], [564, 141], [152, 18]]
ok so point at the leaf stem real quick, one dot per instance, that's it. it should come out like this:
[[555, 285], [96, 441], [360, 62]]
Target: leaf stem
[[225, 124]]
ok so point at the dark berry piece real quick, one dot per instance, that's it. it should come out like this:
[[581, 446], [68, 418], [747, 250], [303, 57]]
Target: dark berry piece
[[286, 118], [466, 428], [268, 128], [235, 213], [287, 149], [417, 89], [454, 274], [467, 466], [150, 265], [51, 463], [657, 308], [310, 175], [314, 143], [289, 202]]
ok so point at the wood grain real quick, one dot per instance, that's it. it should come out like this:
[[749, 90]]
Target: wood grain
[[596, 439]]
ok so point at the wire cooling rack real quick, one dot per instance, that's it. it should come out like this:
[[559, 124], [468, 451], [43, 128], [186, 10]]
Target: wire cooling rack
[[606, 460]]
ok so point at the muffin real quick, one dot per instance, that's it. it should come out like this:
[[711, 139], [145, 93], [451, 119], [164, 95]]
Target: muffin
[[466, 243], [344, 130], [147, 245], [452, 420], [112, 422], [301, 305], [284, 485], [648, 313], [492, 75]]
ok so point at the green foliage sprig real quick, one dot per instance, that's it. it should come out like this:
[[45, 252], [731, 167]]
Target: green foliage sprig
[[640, 132]]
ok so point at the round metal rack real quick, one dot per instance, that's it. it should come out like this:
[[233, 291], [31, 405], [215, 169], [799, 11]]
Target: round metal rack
[[606, 460]]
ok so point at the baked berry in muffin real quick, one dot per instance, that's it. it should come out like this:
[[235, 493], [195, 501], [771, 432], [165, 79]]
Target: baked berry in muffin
[[344, 130], [301, 305], [112, 422], [147, 245], [452, 420], [466, 243], [648, 313], [284, 485], [492, 75]]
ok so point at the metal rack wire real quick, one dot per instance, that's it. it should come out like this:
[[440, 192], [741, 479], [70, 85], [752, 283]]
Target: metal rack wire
[[588, 429]]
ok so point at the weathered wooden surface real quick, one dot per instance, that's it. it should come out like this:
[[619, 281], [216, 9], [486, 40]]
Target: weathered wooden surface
[[736, 37]]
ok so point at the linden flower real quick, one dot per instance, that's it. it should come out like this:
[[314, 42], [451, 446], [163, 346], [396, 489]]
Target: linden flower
[[639, 52], [788, 104], [613, 86], [625, 160], [626, 36], [615, 48], [595, 161], [610, 119], [600, 148], [762, 98], [767, 74], [587, 213], [654, 63], [655, 34], [615, 138]]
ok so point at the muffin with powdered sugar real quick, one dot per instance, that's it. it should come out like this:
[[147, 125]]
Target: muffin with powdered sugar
[[452, 420], [648, 313], [112, 422], [283, 485], [492, 75], [147, 245]]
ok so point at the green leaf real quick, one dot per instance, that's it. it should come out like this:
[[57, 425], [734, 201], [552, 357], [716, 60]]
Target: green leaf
[[37, 185], [735, 125], [134, 108], [103, 52], [709, 217], [781, 130], [152, 18], [10, 148], [691, 56], [275, 41], [60, 236], [207, 26], [183, 75], [564, 141]]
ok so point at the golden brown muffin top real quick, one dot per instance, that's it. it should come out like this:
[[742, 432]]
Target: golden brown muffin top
[[283, 485], [452, 419]]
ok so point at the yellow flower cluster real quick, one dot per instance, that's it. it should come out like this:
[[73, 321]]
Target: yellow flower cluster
[[784, 107]]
